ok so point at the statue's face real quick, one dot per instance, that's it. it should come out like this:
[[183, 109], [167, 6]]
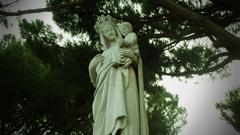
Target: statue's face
[[125, 29], [109, 32]]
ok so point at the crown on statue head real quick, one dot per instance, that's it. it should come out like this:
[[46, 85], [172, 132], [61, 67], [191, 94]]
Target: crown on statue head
[[104, 20]]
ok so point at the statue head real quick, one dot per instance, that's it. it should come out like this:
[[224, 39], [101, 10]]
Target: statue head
[[125, 28], [103, 21], [109, 32], [106, 27]]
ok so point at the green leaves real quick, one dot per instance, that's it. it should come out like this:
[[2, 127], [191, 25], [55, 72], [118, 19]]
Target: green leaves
[[159, 33], [49, 89], [38, 31], [4, 21], [46, 86], [21, 74], [165, 115], [229, 108]]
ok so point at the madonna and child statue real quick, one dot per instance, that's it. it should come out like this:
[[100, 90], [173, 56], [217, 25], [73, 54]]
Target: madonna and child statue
[[118, 106]]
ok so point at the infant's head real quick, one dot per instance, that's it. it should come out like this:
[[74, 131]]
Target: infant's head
[[125, 28]]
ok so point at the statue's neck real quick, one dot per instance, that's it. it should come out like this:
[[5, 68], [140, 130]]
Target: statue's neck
[[111, 43]]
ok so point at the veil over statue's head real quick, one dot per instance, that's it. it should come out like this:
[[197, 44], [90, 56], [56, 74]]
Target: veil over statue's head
[[103, 21]]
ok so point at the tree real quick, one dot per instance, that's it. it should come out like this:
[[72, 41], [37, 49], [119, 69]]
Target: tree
[[176, 38], [164, 114], [229, 108], [20, 75], [210, 18], [40, 95], [60, 102], [162, 31]]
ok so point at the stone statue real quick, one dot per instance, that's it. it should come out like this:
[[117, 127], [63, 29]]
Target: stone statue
[[118, 106]]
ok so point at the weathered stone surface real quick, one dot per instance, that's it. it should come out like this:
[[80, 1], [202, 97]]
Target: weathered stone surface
[[118, 106]]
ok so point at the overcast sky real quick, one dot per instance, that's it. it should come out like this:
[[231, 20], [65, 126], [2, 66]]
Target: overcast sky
[[198, 95]]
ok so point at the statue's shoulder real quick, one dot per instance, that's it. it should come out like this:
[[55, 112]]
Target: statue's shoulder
[[96, 56], [131, 36]]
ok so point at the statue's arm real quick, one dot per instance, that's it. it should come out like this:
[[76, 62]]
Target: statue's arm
[[92, 68], [128, 52], [133, 53], [93, 76]]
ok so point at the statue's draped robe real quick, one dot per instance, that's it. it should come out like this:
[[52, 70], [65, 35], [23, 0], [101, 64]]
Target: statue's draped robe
[[119, 99]]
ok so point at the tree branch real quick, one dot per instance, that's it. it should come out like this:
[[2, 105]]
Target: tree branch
[[203, 71], [210, 27], [9, 4], [160, 35], [46, 9], [212, 58], [171, 45]]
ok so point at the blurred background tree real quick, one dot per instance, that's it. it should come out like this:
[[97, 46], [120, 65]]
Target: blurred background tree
[[46, 88], [229, 108]]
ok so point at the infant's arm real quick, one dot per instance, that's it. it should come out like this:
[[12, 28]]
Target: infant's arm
[[131, 41]]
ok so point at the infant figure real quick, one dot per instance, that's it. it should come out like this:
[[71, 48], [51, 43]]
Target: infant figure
[[129, 41]]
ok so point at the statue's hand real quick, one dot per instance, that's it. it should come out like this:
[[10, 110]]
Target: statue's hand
[[126, 52]]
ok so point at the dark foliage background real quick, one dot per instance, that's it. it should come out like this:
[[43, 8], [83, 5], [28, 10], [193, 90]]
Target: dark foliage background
[[45, 88]]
